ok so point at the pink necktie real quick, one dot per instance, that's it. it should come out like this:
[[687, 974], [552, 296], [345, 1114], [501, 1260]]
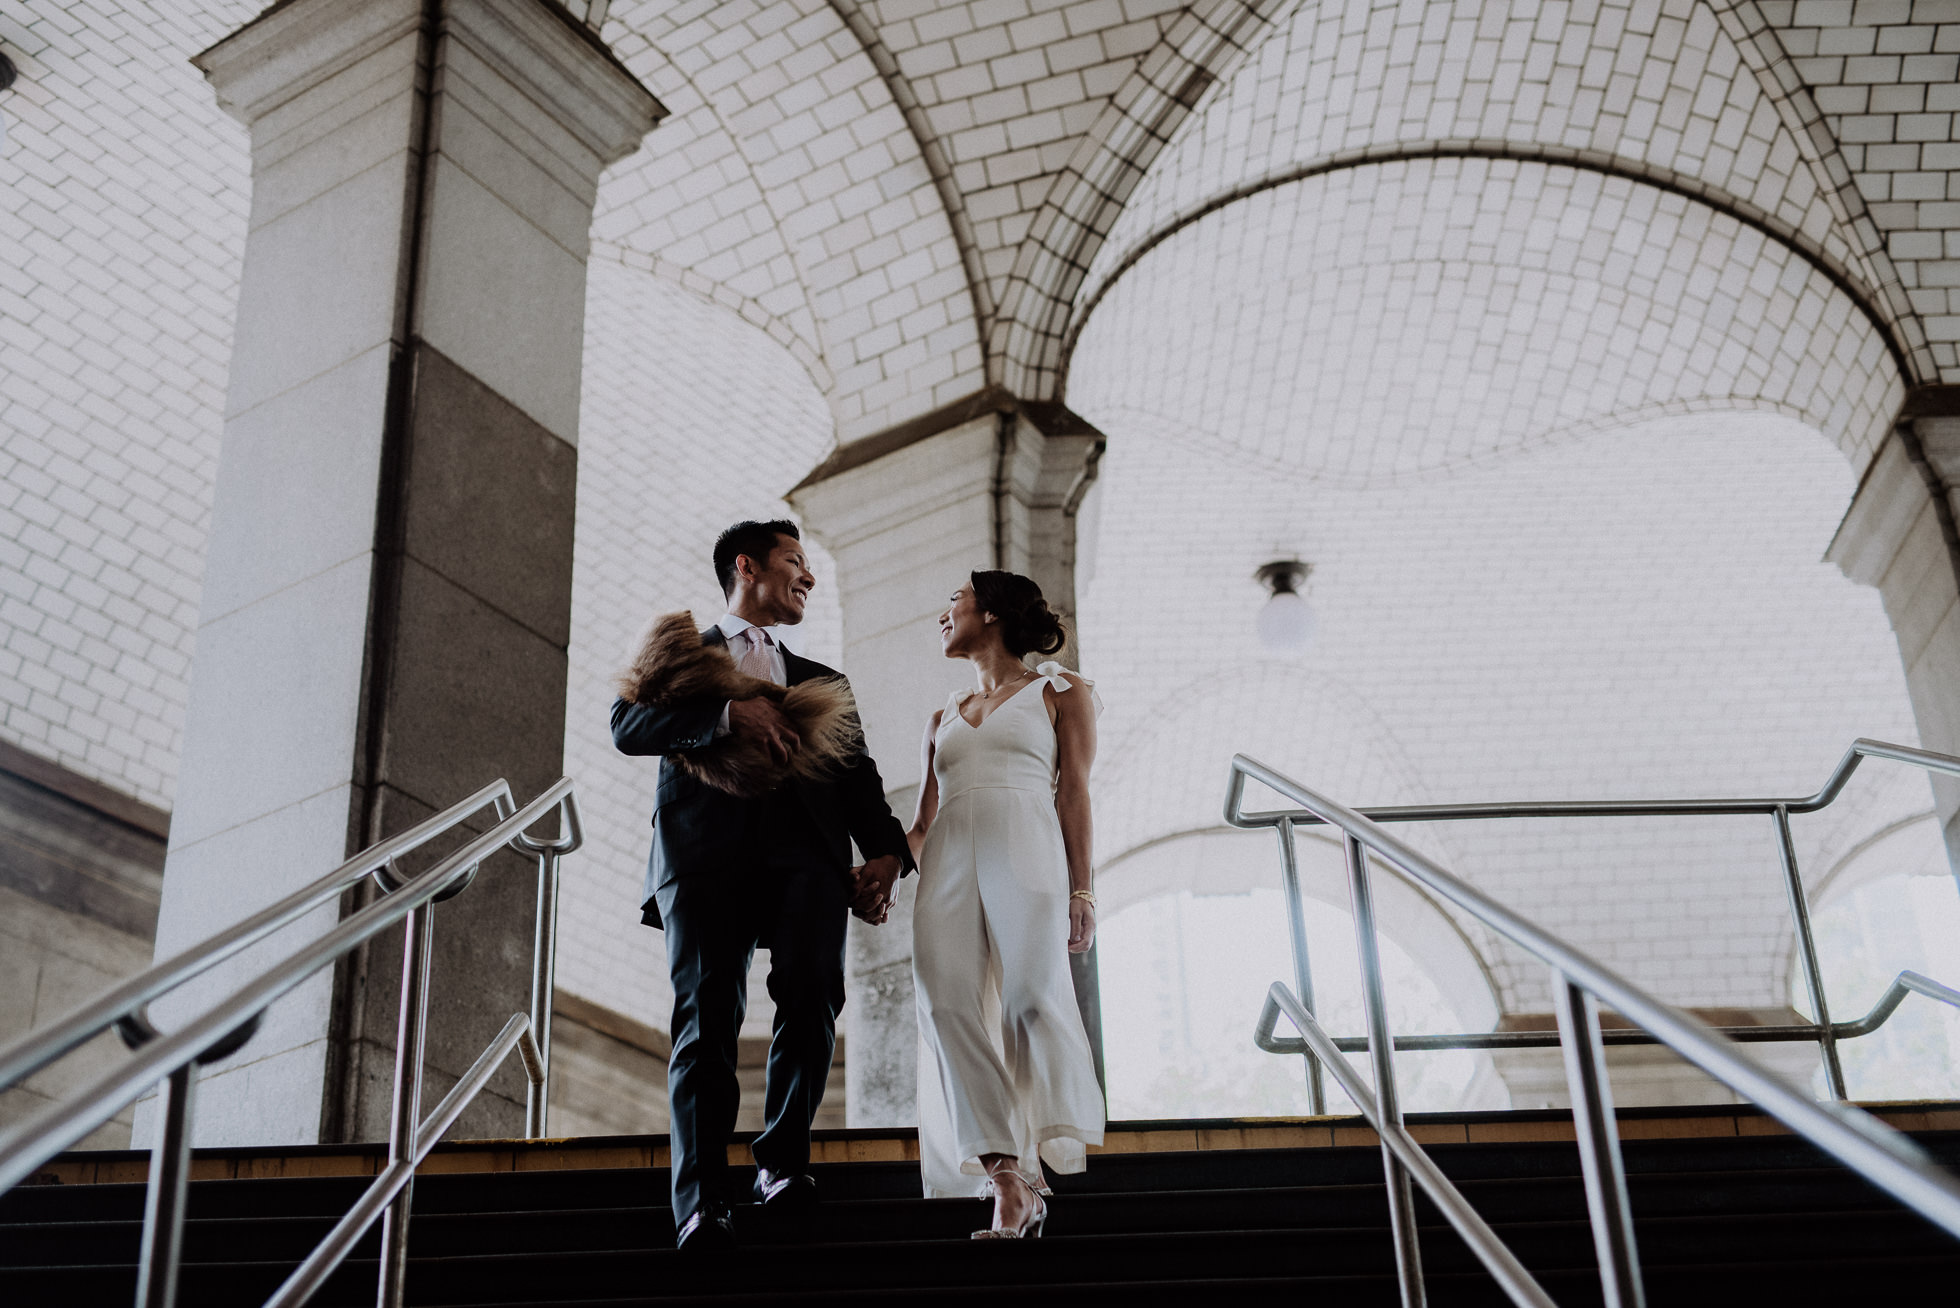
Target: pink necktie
[[756, 661]]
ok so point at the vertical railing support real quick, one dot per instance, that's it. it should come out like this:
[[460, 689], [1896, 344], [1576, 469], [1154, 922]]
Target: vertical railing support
[[169, 1190], [1813, 971], [406, 1107], [544, 970], [544, 954], [1296, 925], [1381, 1052], [1598, 1130]]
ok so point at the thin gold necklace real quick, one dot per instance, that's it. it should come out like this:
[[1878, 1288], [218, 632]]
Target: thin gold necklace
[[1025, 674]]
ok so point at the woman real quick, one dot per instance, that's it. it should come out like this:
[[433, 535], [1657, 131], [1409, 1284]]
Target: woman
[[1006, 1079]]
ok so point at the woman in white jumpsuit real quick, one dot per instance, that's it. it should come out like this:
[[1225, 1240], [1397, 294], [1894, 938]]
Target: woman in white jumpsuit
[[1002, 836]]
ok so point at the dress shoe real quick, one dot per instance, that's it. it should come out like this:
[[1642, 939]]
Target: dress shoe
[[781, 1193], [706, 1229]]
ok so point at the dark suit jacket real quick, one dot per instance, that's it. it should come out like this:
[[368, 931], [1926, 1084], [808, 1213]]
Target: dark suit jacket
[[699, 830]]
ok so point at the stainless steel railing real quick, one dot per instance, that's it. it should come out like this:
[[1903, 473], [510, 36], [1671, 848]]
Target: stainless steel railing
[[170, 1060], [1822, 1030], [1580, 984], [1906, 983]]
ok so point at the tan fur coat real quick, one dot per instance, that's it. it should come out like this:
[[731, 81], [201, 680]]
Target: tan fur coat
[[671, 665]]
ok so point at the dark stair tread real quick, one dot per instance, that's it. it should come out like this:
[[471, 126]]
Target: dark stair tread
[[1721, 1221], [1114, 1174], [1032, 1268], [1107, 1173], [1154, 1256], [1797, 1285], [847, 1221]]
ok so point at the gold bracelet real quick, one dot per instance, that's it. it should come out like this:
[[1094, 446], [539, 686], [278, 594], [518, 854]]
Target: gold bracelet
[[1087, 896]]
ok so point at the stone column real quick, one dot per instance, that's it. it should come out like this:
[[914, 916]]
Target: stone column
[[906, 514], [387, 597], [1899, 536]]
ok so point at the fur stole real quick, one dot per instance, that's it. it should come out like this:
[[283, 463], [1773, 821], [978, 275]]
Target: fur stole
[[671, 665]]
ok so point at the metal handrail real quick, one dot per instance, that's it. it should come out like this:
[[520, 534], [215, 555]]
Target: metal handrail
[[378, 1198], [1824, 1031], [1861, 749], [127, 1000], [1906, 983], [1476, 1233], [1580, 983], [172, 1059]]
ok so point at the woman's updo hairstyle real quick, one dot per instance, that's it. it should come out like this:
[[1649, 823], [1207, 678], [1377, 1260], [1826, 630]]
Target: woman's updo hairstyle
[[1027, 624]]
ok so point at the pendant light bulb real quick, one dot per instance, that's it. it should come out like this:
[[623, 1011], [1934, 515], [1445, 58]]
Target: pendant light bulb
[[1286, 622]]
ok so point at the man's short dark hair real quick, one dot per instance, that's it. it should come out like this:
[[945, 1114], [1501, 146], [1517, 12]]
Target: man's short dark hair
[[754, 539]]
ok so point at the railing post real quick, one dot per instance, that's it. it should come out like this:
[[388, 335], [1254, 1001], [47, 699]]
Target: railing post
[[1296, 925], [544, 968], [168, 1191], [1813, 971], [1599, 1144], [410, 1027], [1381, 1053]]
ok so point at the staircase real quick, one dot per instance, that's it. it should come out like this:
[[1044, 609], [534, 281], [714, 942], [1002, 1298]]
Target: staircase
[[1733, 1218], [1778, 1204]]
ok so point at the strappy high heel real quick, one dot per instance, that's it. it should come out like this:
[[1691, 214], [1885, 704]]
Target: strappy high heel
[[1030, 1227]]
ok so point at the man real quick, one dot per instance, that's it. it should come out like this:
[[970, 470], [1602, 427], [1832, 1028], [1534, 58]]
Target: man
[[728, 874]]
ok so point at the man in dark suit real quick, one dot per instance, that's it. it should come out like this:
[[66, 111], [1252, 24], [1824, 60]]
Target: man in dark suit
[[728, 874]]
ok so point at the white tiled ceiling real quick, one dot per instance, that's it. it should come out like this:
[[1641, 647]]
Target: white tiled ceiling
[[1402, 319]]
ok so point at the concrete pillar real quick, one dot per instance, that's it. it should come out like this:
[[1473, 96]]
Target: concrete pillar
[[906, 514], [1899, 536], [387, 597]]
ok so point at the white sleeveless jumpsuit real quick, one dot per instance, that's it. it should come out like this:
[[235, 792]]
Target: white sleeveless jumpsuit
[[1004, 1063]]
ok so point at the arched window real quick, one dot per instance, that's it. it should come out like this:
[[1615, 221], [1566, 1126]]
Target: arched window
[[1892, 905], [1195, 931]]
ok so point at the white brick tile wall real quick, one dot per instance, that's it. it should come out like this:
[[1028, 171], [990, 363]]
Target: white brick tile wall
[[1633, 613], [123, 192]]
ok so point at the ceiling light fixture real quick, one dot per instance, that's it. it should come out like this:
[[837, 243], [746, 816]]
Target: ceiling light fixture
[[1286, 622]]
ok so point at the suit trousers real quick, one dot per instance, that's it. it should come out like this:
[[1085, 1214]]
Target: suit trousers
[[713, 924]]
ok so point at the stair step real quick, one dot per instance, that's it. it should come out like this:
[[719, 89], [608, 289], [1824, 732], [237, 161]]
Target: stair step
[[1726, 1220], [951, 1262], [1805, 1284], [649, 1226], [1107, 1174]]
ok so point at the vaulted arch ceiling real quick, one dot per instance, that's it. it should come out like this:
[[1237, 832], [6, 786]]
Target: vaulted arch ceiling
[[1660, 93], [1870, 92], [930, 197], [793, 177], [899, 184], [1402, 320]]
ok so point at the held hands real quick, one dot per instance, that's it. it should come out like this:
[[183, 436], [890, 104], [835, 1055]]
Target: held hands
[[761, 719], [874, 882], [1081, 926]]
